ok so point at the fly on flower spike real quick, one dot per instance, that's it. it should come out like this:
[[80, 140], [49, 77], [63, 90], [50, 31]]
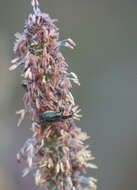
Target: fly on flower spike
[[55, 154]]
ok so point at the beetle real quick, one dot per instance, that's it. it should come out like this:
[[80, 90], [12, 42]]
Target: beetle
[[51, 116]]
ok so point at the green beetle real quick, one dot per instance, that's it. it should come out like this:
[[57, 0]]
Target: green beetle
[[51, 116]]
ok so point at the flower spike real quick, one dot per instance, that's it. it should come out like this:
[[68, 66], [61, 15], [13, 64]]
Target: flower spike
[[56, 153]]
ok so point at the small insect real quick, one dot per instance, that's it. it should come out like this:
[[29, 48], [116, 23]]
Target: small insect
[[51, 116], [24, 84]]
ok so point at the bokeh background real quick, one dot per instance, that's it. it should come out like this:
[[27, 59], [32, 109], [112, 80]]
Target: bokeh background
[[105, 60]]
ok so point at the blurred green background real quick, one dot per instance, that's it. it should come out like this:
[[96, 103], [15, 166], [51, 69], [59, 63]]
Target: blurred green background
[[105, 60]]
